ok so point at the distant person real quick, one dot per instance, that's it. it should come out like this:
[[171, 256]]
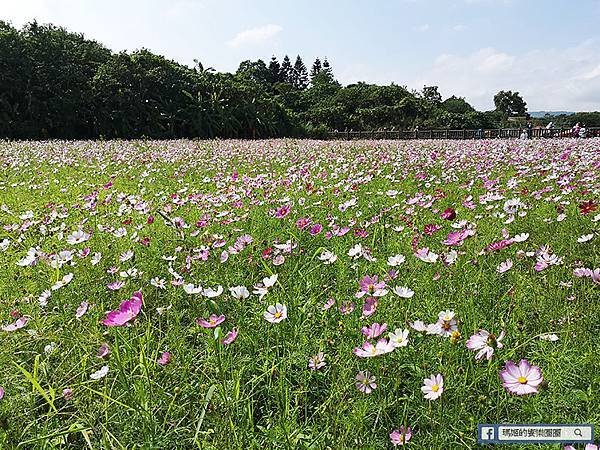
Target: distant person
[[529, 130], [523, 136], [582, 131], [550, 129], [575, 129]]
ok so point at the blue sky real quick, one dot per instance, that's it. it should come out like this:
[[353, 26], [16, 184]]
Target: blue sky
[[547, 50]]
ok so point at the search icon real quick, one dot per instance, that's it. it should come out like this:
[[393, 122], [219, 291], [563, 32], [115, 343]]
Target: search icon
[[577, 432]]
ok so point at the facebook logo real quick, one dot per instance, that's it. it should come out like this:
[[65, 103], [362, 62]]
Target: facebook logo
[[487, 434]]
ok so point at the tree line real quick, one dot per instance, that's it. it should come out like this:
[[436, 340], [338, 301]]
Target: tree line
[[59, 84]]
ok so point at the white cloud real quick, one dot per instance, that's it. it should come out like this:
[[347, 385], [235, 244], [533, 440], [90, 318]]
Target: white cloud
[[254, 36], [548, 79], [459, 27], [422, 28]]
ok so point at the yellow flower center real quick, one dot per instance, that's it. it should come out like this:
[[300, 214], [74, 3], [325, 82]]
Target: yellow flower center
[[277, 315], [522, 380], [435, 388]]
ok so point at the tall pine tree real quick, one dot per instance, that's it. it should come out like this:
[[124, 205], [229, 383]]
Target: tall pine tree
[[300, 74], [287, 71], [327, 69], [274, 70], [316, 68]]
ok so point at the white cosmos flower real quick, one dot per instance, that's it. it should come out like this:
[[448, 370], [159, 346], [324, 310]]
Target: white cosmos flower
[[521, 237], [328, 257], [276, 313], [403, 292], [396, 260], [126, 256], [189, 288], [43, 298], [399, 338], [270, 281], [77, 237], [418, 325], [585, 238], [239, 292], [549, 337], [4, 243], [61, 283], [99, 374], [96, 257], [29, 259], [158, 283], [212, 293], [504, 266]]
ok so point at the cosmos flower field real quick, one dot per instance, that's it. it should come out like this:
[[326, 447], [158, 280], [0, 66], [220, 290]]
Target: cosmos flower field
[[296, 294]]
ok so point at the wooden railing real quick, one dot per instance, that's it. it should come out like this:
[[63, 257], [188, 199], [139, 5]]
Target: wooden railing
[[506, 133]]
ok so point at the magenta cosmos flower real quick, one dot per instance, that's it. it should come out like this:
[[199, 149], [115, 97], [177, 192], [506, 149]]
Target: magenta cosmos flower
[[400, 436], [230, 337], [128, 310], [522, 379], [212, 322]]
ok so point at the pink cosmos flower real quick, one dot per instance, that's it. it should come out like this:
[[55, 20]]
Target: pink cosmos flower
[[374, 330], [328, 304], [19, 323], [425, 255], [522, 379], [371, 286], [230, 337], [499, 245], [81, 310], [315, 229], [128, 310], [484, 343], [1, 392], [369, 350], [370, 306], [448, 214], [164, 359], [431, 228], [400, 436], [282, 211], [302, 223], [103, 351], [67, 394], [347, 307], [365, 382], [212, 322], [504, 266], [433, 387]]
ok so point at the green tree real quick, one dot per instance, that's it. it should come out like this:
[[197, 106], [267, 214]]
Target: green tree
[[316, 69], [300, 74], [274, 71], [457, 105], [287, 71], [510, 103], [256, 71]]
